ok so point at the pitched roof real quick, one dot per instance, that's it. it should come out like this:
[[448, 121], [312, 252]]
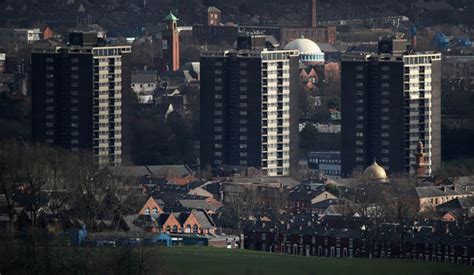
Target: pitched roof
[[204, 220], [306, 192], [213, 9], [140, 77], [439, 191], [166, 170], [458, 203], [129, 220], [200, 204]]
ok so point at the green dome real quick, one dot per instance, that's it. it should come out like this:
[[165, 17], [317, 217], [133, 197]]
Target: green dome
[[170, 17]]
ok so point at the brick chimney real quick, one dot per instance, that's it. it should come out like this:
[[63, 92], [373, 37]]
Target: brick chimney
[[312, 22]]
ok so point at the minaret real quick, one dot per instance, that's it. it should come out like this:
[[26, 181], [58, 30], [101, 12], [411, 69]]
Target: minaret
[[312, 23], [419, 167], [170, 37]]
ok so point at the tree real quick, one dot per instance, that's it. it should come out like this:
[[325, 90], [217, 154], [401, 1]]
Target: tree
[[86, 181], [239, 208], [8, 166], [332, 188], [58, 186], [32, 175]]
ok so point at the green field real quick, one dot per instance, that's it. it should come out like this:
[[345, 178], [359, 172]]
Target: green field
[[41, 259], [189, 260]]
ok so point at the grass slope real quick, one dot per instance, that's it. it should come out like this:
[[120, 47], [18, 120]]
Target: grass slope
[[53, 258], [194, 260]]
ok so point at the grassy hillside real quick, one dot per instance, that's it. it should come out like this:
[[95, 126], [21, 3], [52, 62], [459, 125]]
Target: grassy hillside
[[189, 260], [25, 258]]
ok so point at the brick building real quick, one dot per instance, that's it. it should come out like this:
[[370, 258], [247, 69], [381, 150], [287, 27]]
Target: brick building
[[441, 242]]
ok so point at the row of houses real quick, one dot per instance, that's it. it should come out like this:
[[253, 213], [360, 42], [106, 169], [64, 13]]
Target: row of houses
[[354, 239]]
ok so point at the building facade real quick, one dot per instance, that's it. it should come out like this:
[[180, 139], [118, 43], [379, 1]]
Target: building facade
[[249, 110], [77, 98], [326, 163], [391, 101]]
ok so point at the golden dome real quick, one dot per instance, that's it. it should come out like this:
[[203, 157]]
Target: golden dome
[[375, 172]]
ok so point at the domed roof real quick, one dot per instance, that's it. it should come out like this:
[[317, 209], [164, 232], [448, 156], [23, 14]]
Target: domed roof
[[375, 172], [305, 46]]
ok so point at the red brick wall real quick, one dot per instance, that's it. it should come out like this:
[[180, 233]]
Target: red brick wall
[[150, 204], [171, 222]]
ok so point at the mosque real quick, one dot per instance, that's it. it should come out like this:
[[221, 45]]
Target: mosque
[[314, 69]]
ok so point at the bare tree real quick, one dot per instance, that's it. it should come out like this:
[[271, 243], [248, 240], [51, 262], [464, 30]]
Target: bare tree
[[241, 207], [32, 174], [8, 183], [59, 187], [86, 180]]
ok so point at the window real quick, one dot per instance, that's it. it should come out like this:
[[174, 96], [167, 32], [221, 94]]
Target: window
[[147, 211], [155, 210], [195, 229], [175, 228]]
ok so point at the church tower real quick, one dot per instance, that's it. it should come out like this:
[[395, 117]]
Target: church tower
[[170, 37]]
